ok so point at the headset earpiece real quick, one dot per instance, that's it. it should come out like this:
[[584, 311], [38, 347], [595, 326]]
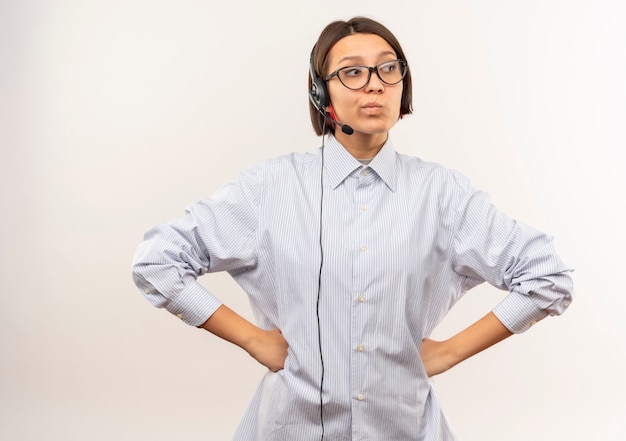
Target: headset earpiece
[[318, 92]]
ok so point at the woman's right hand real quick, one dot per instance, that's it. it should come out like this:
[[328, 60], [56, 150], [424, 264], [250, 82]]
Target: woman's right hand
[[269, 348]]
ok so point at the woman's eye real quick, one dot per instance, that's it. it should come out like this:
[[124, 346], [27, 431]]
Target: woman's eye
[[352, 72], [388, 68]]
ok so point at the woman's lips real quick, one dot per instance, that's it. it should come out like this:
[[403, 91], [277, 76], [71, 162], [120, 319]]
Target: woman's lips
[[372, 108]]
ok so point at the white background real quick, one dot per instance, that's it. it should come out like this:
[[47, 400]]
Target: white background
[[114, 115]]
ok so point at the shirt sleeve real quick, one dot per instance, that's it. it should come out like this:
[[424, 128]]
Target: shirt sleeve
[[216, 234], [489, 246]]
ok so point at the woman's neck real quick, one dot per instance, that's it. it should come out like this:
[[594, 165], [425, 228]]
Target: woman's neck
[[361, 145]]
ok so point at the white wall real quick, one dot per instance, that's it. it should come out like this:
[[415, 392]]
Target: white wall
[[114, 115]]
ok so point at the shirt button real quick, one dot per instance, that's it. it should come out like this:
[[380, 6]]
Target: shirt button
[[362, 248], [360, 348], [363, 207], [365, 172], [360, 397], [566, 303], [180, 316], [361, 299], [533, 323]]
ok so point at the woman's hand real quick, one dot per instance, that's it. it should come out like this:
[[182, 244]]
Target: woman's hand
[[269, 348], [435, 357], [439, 356]]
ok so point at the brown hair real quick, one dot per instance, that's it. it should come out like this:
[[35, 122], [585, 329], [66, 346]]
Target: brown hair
[[334, 32]]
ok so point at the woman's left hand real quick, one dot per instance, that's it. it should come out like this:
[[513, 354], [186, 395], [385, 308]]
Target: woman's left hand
[[435, 357], [439, 356]]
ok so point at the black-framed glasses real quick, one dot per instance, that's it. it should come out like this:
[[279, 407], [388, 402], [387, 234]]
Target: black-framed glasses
[[357, 77]]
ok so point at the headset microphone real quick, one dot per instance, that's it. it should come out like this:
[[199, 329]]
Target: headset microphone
[[345, 128]]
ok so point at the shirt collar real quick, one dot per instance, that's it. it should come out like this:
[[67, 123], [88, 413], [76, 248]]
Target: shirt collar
[[339, 163]]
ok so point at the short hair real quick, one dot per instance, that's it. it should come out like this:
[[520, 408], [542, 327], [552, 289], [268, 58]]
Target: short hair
[[334, 32]]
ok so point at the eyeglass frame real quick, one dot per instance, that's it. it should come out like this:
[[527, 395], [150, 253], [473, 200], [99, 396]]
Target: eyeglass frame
[[404, 66]]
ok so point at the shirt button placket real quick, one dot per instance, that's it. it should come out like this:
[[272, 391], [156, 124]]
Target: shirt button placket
[[362, 224]]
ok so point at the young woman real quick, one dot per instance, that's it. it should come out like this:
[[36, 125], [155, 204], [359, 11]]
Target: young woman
[[351, 255]]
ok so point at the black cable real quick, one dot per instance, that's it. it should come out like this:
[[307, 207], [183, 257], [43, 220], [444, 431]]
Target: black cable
[[319, 289]]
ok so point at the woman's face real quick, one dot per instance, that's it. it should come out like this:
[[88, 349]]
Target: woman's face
[[373, 110]]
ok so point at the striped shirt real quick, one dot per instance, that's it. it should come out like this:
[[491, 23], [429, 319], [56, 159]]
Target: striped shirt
[[398, 241]]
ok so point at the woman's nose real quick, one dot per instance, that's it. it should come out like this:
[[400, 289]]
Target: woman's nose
[[375, 84]]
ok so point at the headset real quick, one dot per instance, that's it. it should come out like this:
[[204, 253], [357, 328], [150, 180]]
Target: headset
[[318, 93], [320, 100]]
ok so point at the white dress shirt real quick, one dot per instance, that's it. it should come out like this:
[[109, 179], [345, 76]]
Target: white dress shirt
[[401, 241]]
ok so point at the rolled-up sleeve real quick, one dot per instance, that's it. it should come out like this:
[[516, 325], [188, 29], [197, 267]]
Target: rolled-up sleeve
[[489, 246], [216, 234]]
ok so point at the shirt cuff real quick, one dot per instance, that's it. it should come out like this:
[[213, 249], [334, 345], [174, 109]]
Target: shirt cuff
[[194, 305], [518, 312]]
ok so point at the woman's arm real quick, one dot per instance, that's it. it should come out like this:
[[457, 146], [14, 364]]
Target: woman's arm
[[267, 347], [439, 356]]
